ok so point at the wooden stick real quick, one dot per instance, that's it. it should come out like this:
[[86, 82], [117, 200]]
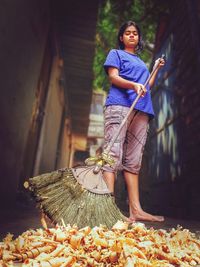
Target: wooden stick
[[32, 253]]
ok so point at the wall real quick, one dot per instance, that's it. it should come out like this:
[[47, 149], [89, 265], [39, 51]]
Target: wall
[[170, 176], [64, 147], [24, 28], [48, 142]]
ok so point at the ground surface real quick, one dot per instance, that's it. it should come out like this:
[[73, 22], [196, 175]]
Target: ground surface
[[20, 218]]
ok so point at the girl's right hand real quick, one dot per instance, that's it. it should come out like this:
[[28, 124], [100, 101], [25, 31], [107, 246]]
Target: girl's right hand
[[137, 87]]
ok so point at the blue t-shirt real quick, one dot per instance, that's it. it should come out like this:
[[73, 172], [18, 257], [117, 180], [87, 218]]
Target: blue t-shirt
[[131, 68]]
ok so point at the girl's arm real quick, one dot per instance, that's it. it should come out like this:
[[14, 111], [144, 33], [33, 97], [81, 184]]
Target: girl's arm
[[115, 79]]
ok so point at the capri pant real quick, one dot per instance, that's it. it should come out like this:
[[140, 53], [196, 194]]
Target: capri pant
[[128, 149]]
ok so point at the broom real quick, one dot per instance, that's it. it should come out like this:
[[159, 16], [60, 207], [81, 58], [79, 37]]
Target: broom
[[80, 195]]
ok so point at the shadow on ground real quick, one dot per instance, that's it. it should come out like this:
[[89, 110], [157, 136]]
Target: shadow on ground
[[18, 218]]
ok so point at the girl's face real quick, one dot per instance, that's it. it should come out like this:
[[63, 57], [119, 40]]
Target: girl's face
[[130, 37]]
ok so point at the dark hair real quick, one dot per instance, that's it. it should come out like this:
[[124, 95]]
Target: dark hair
[[122, 29]]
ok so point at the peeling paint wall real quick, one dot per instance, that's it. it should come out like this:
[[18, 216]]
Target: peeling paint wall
[[170, 179]]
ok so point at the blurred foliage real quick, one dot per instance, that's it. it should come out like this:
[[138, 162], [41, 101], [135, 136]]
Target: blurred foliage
[[113, 13]]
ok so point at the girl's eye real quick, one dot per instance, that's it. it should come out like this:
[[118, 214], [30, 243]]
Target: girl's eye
[[129, 32]]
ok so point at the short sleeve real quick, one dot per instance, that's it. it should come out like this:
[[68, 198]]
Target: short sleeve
[[112, 60]]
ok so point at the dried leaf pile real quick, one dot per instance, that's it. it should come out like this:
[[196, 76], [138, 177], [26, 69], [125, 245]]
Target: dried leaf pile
[[122, 246]]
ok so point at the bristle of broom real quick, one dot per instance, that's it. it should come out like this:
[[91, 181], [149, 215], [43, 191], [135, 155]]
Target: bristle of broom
[[61, 197]]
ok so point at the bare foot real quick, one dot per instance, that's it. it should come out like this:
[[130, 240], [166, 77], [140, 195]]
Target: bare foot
[[140, 215], [130, 220]]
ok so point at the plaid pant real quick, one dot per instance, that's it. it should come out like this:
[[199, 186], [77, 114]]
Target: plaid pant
[[128, 149]]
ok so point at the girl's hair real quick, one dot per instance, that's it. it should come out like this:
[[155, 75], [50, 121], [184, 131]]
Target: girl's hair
[[122, 29]]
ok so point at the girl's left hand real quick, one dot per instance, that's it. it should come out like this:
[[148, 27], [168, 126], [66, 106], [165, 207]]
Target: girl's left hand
[[160, 62]]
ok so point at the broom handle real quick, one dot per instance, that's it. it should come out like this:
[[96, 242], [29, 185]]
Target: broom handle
[[108, 148]]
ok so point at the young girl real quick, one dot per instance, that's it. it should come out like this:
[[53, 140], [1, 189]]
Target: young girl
[[127, 74]]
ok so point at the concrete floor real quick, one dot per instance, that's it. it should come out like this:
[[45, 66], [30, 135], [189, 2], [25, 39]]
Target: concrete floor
[[19, 218]]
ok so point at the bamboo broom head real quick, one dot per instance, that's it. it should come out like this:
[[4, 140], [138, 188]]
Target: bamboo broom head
[[62, 198]]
